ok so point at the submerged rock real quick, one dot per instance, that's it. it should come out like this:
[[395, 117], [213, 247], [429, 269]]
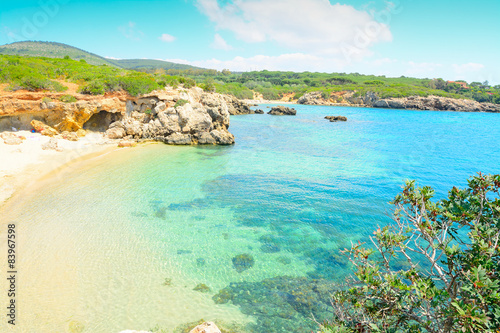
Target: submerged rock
[[281, 304], [242, 262], [282, 111], [201, 287]]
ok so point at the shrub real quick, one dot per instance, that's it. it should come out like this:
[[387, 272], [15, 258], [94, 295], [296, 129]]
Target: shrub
[[436, 269], [46, 100], [96, 87], [68, 99], [181, 102], [33, 83]]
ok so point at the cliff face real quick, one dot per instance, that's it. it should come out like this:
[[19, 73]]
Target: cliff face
[[19, 110], [370, 99], [174, 116]]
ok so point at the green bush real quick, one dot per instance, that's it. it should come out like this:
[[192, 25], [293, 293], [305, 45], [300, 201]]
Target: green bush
[[96, 87], [181, 102], [68, 99], [436, 269], [37, 84]]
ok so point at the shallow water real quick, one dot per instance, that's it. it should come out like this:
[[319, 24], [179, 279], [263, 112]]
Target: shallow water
[[97, 242]]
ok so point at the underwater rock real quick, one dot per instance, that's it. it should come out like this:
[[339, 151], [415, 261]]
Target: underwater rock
[[167, 282], [201, 287], [270, 248], [284, 260], [281, 304], [200, 262], [242, 262], [161, 212], [184, 251]]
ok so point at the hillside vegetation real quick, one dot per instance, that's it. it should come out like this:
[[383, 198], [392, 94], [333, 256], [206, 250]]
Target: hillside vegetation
[[40, 73], [59, 50]]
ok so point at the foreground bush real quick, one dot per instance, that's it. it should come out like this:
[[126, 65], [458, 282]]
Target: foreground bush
[[436, 269]]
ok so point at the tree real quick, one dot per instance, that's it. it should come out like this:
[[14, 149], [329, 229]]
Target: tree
[[435, 269]]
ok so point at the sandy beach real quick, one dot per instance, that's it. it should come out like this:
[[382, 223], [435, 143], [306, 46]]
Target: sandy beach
[[23, 164]]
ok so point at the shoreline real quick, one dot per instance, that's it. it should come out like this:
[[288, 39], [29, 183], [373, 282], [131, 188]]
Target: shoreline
[[28, 163]]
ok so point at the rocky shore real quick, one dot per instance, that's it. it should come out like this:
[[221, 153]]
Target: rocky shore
[[370, 99], [173, 116]]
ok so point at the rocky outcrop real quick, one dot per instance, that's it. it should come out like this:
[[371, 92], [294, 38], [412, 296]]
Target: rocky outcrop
[[179, 117], [282, 111], [176, 117], [336, 118], [370, 99], [436, 103], [59, 115]]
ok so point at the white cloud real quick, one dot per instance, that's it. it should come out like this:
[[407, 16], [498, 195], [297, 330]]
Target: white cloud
[[467, 68], [167, 38], [131, 32], [422, 69], [285, 62], [313, 26], [220, 44]]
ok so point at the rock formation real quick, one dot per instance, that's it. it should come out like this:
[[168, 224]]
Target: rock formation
[[282, 111], [10, 138], [370, 99], [336, 118], [172, 116], [436, 103]]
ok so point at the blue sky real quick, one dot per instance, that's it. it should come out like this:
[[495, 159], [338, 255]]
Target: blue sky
[[449, 39]]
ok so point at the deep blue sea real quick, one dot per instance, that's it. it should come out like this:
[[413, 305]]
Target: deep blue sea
[[121, 241]]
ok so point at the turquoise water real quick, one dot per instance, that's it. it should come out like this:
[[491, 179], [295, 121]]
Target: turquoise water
[[120, 241]]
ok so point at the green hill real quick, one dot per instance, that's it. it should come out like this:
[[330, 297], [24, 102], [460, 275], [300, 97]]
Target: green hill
[[59, 50], [52, 50], [147, 64]]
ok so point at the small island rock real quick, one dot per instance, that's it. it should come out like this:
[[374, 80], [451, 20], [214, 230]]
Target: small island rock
[[282, 111], [336, 118]]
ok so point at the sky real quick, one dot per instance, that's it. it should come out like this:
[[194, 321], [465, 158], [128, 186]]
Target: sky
[[449, 39]]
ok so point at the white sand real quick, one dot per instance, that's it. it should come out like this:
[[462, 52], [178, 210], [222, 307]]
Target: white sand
[[21, 165]]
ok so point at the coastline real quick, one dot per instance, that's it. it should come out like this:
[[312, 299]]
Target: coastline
[[25, 164]]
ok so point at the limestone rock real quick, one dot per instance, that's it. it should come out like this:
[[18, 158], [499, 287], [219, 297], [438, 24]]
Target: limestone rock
[[81, 133], [51, 145], [43, 128], [236, 107], [436, 103], [222, 137], [127, 143], [282, 111], [10, 138], [206, 327], [70, 136], [115, 133], [259, 111], [178, 139], [336, 118]]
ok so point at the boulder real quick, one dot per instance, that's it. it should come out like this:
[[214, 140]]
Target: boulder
[[70, 136], [206, 327], [178, 139], [282, 111], [115, 133], [44, 129], [259, 111], [336, 118]]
